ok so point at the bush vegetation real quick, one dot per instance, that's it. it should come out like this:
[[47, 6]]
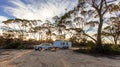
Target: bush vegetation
[[106, 49], [10, 43]]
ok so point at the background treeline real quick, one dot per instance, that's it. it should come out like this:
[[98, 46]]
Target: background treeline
[[93, 23]]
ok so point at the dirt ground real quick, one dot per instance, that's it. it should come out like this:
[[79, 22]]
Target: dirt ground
[[60, 58]]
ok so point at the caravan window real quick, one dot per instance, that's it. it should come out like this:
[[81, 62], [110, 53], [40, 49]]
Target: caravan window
[[67, 43], [63, 43], [46, 44]]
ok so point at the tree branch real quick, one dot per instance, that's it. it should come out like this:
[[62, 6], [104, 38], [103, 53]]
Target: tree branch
[[90, 37]]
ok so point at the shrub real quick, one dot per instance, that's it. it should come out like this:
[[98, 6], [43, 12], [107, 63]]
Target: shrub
[[82, 44], [82, 51], [13, 45], [26, 46], [108, 49]]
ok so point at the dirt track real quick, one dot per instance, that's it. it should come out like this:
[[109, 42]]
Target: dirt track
[[60, 58]]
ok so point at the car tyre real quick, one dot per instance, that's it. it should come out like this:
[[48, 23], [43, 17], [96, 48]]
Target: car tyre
[[36, 49], [40, 49]]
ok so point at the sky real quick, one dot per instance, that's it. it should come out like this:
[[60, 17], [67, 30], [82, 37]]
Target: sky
[[34, 9]]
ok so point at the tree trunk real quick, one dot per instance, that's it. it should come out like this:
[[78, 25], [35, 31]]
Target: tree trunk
[[115, 40], [99, 40]]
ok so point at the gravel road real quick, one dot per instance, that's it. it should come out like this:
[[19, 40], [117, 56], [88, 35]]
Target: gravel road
[[59, 58]]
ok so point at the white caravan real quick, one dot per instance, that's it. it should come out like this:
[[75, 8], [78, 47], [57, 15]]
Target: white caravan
[[62, 44]]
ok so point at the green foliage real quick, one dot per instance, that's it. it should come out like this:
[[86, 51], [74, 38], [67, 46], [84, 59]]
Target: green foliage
[[107, 49], [12, 45], [27, 46], [82, 51], [18, 45], [87, 44], [90, 43]]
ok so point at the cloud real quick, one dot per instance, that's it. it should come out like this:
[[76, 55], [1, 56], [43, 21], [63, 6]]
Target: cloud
[[2, 18], [119, 13], [39, 9]]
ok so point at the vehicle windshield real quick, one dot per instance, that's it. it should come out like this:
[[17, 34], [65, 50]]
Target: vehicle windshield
[[46, 44]]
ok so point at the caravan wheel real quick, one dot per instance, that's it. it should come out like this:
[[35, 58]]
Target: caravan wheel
[[49, 48], [56, 48]]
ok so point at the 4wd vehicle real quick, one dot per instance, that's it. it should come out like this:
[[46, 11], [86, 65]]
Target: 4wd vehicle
[[46, 46]]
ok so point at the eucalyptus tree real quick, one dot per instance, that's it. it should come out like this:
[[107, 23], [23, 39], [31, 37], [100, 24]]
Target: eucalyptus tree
[[77, 23], [10, 32], [9, 35], [33, 31], [48, 34], [101, 7], [41, 29], [59, 27], [113, 29], [34, 28], [8, 25], [49, 29], [91, 12], [18, 25]]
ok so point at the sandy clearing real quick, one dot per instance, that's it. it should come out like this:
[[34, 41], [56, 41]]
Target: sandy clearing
[[60, 58], [7, 56]]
